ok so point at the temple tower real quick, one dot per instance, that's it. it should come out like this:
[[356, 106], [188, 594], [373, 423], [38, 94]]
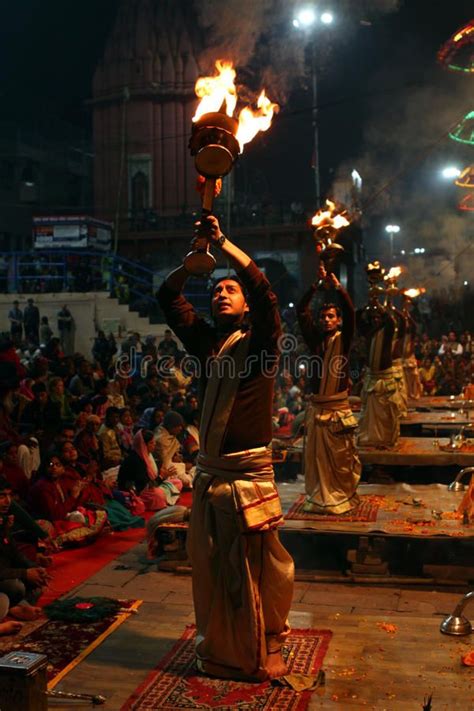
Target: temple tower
[[143, 102]]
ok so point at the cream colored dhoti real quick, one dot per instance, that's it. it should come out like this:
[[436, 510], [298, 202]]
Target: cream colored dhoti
[[402, 398], [412, 378], [332, 467], [242, 575], [379, 424]]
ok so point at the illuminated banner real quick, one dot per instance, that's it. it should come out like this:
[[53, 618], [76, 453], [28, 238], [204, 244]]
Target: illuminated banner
[[72, 232]]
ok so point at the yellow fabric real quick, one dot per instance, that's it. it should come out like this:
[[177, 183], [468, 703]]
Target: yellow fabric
[[412, 378], [221, 390], [111, 451], [332, 467], [242, 585], [379, 424], [329, 381], [250, 476], [375, 350], [397, 367], [242, 575]]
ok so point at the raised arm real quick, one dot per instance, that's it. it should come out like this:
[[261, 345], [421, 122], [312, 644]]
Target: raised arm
[[348, 313], [308, 327], [180, 314]]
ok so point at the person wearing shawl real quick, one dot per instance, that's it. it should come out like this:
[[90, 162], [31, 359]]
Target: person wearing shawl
[[139, 473], [151, 418], [332, 468], [168, 448], [242, 575], [57, 498], [114, 395], [58, 395], [191, 435], [125, 430], [107, 434], [86, 441], [379, 423], [410, 366]]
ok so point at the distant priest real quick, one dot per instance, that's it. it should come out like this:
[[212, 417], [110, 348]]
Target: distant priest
[[398, 340], [379, 424], [331, 464], [410, 365]]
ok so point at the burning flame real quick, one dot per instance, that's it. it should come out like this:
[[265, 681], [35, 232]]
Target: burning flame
[[220, 90], [327, 218], [217, 90], [413, 293], [394, 273], [251, 122]]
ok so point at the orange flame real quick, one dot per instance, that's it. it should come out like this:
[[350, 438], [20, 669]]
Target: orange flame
[[413, 293], [217, 90], [327, 218], [394, 273], [251, 122], [220, 90]]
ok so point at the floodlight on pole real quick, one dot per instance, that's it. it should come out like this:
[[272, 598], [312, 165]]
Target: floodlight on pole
[[327, 18], [450, 172], [392, 230], [305, 20]]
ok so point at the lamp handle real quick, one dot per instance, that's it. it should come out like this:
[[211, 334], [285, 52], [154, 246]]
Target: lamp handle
[[208, 196]]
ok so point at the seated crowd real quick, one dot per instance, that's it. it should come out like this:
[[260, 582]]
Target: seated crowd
[[85, 447], [89, 445]]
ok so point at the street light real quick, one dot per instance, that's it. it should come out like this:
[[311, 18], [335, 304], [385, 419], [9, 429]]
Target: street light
[[450, 172], [392, 230], [305, 19]]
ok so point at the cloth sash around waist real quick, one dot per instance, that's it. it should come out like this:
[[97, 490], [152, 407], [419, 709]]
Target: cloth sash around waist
[[339, 401], [250, 475], [386, 374], [248, 465], [333, 411]]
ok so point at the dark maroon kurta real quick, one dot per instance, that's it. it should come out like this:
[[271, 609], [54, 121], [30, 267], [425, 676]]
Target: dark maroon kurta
[[368, 328], [250, 422], [316, 341]]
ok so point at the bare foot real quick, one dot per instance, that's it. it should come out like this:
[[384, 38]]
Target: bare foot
[[275, 666], [25, 612], [10, 627]]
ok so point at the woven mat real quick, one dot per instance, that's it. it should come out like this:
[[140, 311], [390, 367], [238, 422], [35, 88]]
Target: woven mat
[[365, 512], [176, 685], [66, 644]]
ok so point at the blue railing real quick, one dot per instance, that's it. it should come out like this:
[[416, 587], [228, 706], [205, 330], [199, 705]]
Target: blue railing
[[65, 271]]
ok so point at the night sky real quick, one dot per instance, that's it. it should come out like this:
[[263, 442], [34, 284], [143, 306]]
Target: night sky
[[372, 84]]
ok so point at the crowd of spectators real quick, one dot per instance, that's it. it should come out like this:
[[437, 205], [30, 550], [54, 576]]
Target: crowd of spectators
[[446, 367], [90, 442], [87, 444]]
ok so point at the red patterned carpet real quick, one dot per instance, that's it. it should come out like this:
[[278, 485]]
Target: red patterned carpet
[[175, 685], [365, 512], [66, 644]]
